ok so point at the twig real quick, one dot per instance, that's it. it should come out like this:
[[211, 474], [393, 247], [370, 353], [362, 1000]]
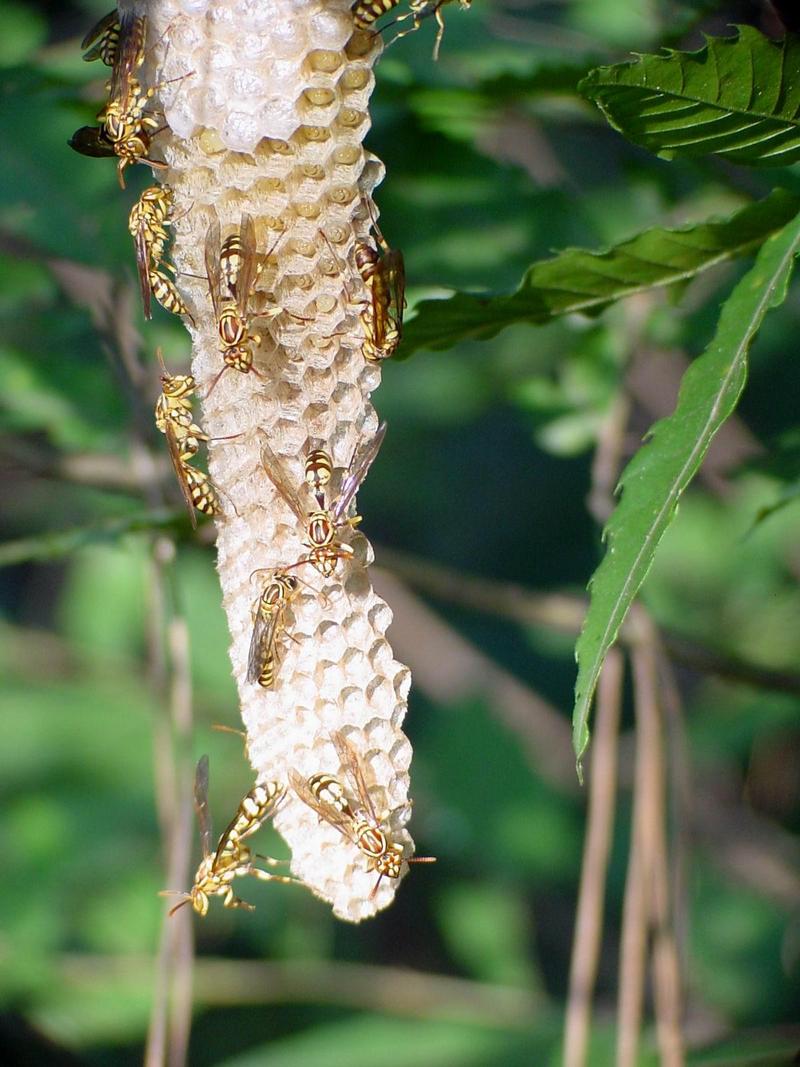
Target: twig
[[49, 546], [589, 920], [679, 790], [651, 842], [392, 991], [633, 947], [449, 667], [560, 611], [606, 461], [111, 309], [168, 1034], [96, 469]]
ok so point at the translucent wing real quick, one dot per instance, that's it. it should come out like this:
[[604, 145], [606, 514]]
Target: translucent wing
[[247, 270], [351, 761], [91, 141], [394, 267], [326, 812], [143, 268], [180, 469], [263, 637], [362, 460], [130, 55], [276, 472], [106, 33], [201, 804], [212, 265]]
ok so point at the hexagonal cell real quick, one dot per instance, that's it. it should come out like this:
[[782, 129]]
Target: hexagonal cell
[[323, 61]]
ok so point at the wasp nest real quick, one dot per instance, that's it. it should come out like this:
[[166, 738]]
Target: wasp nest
[[266, 103]]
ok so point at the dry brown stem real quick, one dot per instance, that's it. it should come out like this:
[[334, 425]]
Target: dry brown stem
[[589, 921]]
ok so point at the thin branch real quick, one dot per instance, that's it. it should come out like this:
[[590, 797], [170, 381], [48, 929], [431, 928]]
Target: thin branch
[[589, 920], [449, 668], [99, 470], [633, 948], [170, 1021], [111, 307], [52, 545], [606, 462], [652, 844], [566, 613], [392, 991], [681, 806]]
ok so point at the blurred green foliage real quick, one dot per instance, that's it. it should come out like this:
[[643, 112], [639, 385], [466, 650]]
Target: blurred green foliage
[[493, 161]]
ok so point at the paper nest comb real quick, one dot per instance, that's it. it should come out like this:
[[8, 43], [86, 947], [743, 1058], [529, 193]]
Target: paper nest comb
[[268, 118]]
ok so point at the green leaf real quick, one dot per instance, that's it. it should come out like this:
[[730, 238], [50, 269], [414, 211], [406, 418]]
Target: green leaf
[[738, 98], [583, 281], [654, 480]]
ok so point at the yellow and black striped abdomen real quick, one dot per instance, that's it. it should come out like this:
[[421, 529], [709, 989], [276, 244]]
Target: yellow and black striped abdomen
[[365, 12]]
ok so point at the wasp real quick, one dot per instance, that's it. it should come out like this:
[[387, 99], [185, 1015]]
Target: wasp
[[126, 127], [173, 415], [269, 613], [103, 38], [323, 524], [147, 224], [350, 809], [232, 269], [232, 859], [384, 276]]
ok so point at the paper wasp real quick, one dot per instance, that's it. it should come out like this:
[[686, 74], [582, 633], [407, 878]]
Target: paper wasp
[[147, 224], [384, 276], [126, 127], [174, 419], [268, 625], [350, 809], [323, 524], [232, 859], [232, 269]]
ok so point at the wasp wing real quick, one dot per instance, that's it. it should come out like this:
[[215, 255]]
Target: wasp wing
[[351, 762], [91, 141], [276, 472], [247, 269], [363, 458], [143, 268], [394, 268], [130, 56], [326, 812], [213, 272], [264, 628], [201, 804], [180, 469]]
